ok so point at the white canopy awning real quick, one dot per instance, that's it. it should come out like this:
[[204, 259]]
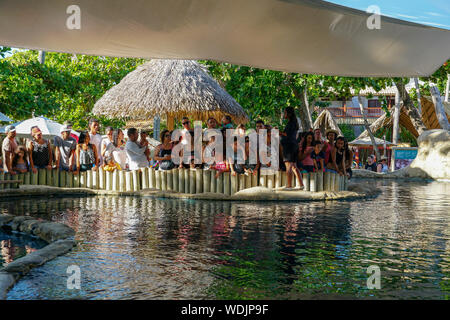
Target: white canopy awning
[[367, 142], [4, 118], [49, 128], [302, 36]]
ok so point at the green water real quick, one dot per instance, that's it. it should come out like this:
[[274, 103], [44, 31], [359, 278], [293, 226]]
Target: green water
[[134, 248]]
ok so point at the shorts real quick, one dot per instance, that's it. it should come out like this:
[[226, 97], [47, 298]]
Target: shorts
[[308, 168], [290, 153]]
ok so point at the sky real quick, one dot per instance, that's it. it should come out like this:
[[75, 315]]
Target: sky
[[434, 13]]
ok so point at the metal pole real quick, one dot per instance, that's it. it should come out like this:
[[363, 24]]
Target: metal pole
[[416, 81], [41, 57], [156, 127], [395, 127], [447, 88]]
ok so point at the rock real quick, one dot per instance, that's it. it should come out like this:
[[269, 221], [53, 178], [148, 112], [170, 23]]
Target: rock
[[432, 161], [52, 231], [433, 157], [29, 225], [5, 218], [6, 281], [17, 221], [23, 265]]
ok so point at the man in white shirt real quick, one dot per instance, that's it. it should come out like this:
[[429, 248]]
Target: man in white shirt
[[136, 152], [9, 147], [96, 138]]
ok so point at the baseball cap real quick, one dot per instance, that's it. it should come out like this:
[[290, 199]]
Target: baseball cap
[[10, 128], [65, 128]]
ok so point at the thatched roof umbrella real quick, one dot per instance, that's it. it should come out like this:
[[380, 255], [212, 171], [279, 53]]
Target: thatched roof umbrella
[[326, 121], [172, 88]]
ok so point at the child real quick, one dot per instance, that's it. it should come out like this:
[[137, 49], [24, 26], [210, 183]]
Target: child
[[110, 164], [20, 160], [318, 156]]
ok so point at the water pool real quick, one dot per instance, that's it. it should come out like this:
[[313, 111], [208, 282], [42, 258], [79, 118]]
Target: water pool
[[146, 248]]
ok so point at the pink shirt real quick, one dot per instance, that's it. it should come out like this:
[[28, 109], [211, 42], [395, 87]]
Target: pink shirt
[[308, 161], [328, 153]]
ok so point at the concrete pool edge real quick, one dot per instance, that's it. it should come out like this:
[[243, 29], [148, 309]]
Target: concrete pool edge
[[59, 238], [355, 191]]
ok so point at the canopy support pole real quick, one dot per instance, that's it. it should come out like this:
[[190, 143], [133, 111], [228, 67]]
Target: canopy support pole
[[170, 122], [156, 127], [439, 107], [395, 126], [447, 88], [416, 81], [366, 125]]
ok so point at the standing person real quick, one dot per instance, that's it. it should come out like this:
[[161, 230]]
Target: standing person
[[96, 138], [211, 123], [136, 152], [107, 141], [305, 152], [382, 166], [290, 146], [116, 149], [86, 152], [65, 150], [143, 140], [186, 124], [163, 152], [348, 159], [328, 147], [337, 158], [318, 135], [20, 160], [226, 122], [371, 165], [264, 163], [259, 125], [39, 150], [9, 147], [72, 134]]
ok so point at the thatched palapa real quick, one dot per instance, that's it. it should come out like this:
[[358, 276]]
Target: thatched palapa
[[325, 121], [172, 89]]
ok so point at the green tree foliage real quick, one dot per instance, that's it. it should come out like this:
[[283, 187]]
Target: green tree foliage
[[265, 93], [347, 131], [66, 87]]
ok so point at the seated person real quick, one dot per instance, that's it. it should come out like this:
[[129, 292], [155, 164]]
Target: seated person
[[109, 163]]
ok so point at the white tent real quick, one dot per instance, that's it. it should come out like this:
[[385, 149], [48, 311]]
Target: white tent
[[49, 128], [4, 118], [302, 36], [367, 142]]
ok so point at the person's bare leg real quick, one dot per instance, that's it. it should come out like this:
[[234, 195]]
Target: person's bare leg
[[288, 175], [298, 175]]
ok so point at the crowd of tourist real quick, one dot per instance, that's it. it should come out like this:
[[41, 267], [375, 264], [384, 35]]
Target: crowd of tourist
[[298, 151]]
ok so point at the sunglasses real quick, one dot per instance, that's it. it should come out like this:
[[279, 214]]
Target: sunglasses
[[185, 123]]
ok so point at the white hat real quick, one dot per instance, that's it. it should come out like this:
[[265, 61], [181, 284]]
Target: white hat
[[10, 128], [64, 128]]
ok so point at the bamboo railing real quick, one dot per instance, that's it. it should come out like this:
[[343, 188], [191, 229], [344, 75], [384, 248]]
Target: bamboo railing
[[176, 180]]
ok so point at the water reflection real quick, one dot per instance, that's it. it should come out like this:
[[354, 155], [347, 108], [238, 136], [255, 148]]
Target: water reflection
[[15, 246], [141, 248]]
